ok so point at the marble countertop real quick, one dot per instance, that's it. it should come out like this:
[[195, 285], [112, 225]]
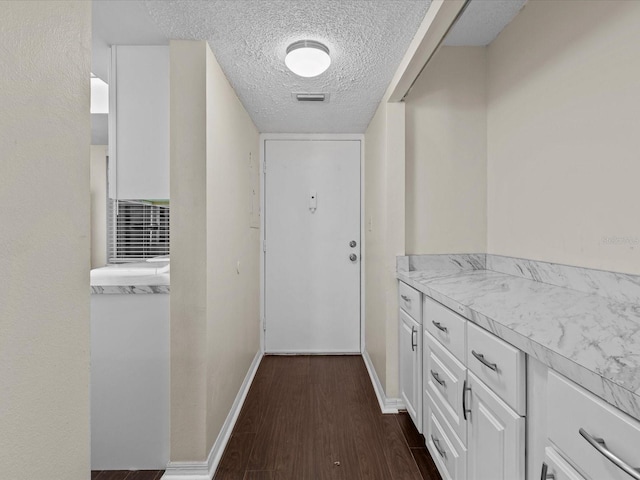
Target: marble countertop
[[590, 337], [129, 289]]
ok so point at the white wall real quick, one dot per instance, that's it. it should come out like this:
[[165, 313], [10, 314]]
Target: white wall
[[45, 53], [214, 309], [446, 155], [563, 143], [98, 170]]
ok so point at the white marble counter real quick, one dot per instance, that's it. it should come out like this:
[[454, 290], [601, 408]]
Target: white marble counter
[[149, 277], [128, 289], [591, 334]]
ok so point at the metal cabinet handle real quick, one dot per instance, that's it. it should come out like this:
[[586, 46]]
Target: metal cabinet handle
[[437, 378], [464, 399], [601, 447], [481, 358], [544, 475], [439, 326], [413, 334], [436, 443], [405, 298]]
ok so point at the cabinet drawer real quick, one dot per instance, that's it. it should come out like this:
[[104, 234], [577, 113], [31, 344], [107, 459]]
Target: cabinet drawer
[[558, 467], [570, 408], [443, 379], [499, 365], [409, 301], [446, 326], [449, 455]]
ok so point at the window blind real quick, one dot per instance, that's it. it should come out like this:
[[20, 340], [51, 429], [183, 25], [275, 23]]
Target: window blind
[[137, 230]]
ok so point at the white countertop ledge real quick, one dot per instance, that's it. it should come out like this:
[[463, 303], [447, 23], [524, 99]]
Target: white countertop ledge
[[592, 339]]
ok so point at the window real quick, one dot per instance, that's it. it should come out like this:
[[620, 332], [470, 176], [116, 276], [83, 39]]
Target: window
[[137, 229]]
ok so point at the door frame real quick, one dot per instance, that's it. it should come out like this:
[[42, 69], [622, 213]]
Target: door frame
[[310, 137]]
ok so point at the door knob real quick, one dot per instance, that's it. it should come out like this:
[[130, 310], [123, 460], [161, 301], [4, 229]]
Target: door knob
[[352, 244], [353, 257]]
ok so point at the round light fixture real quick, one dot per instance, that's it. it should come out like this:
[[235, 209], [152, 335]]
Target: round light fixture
[[307, 58]]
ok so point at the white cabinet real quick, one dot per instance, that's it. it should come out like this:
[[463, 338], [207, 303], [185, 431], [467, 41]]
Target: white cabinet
[[444, 378], [448, 453], [473, 399], [410, 351], [139, 123], [500, 366], [411, 367], [599, 440], [496, 436]]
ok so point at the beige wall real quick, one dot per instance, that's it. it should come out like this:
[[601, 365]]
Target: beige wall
[[214, 252], [98, 169], [45, 53], [446, 155], [188, 193], [384, 238], [233, 248], [563, 139]]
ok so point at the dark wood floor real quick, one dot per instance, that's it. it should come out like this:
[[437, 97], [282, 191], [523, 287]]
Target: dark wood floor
[[126, 475], [316, 418]]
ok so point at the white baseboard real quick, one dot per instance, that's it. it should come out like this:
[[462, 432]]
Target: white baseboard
[[387, 404], [206, 470]]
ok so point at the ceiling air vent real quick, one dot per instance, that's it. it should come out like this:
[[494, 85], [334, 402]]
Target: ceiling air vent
[[311, 97]]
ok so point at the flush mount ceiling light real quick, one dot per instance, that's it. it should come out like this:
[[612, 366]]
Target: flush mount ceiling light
[[307, 58]]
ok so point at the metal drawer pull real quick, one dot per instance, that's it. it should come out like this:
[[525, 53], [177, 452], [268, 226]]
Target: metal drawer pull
[[600, 446], [437, 378], [481, 358], [405, 298], [439, 326], [413, 335], [436, 443], [464, 399], [544, 475]]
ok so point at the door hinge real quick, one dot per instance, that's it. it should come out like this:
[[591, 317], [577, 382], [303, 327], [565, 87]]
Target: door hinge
[[264, 324], [264, 167], [264, 246]]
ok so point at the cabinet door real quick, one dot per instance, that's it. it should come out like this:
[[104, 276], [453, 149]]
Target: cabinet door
[[496, 436], [139, 146], [410, 350]]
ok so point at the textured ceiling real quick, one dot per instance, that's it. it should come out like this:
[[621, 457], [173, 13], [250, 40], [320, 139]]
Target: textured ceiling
[[482, 21], [367, 40]]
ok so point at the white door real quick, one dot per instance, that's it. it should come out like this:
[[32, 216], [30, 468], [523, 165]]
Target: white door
[[312, 219], [496, 436]]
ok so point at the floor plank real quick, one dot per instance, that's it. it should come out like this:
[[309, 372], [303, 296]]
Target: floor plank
[[126, 474], [258, 475], [411, 434], [233, 464], [425, 463], [401, 463], [114, 475], [317, 418]]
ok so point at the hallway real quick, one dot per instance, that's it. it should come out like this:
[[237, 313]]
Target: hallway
[[317, 417]]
